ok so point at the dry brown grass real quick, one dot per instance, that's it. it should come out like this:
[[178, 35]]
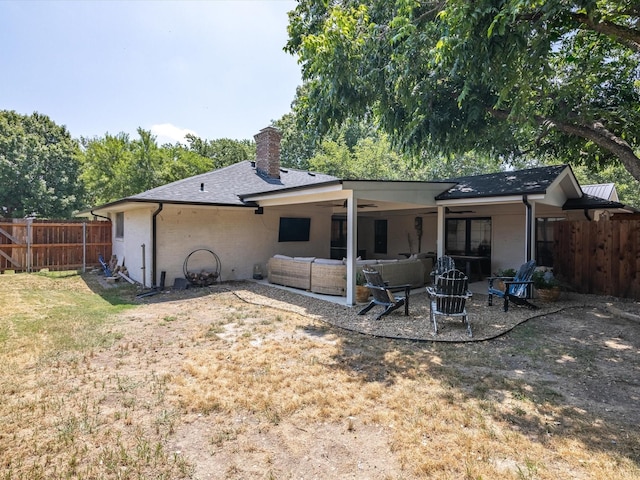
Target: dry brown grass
[[219, 386], [436, 429]]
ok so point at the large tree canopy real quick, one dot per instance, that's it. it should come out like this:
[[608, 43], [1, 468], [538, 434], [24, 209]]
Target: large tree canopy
[[513, 78], [116, 166], [223, 151], [39, 167]]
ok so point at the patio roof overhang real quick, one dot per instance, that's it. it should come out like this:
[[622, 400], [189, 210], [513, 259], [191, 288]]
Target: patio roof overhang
[[391, 195], [384, 195]]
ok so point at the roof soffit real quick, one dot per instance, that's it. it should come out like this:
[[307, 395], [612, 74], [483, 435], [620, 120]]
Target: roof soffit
[[564, 187], [394, 192]]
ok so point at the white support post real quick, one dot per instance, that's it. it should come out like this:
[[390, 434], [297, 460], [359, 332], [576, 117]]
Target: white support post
[[530, 241], [352, 248], [441, 231]]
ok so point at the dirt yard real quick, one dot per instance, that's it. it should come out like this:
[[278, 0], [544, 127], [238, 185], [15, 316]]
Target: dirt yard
[[564, 388], [247, 381]]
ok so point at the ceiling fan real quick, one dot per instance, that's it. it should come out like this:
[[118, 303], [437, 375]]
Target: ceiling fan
[[448, 211], [344, 205]]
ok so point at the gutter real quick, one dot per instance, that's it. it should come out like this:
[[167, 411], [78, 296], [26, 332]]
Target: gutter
[[101, 216], [528, 227], [154, 244]]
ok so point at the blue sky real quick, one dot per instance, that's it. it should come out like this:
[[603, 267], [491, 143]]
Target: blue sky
[[214, 68]]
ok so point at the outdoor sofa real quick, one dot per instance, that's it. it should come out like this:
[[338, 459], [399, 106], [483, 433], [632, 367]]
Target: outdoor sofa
[[329, 277]]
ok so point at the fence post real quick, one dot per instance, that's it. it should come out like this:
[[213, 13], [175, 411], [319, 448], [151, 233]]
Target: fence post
[[84, 247], [29, 241]]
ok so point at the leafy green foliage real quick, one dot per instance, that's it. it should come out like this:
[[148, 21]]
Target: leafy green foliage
[[116, 167], [297, 145], [223, 151], [39, 167], [515, 78], [372, 157]]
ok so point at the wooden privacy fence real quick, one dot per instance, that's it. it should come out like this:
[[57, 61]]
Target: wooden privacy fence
[[28, 245], [600, 257]]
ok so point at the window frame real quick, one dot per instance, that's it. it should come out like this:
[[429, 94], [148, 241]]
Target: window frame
[[380, 236], [119, 225]]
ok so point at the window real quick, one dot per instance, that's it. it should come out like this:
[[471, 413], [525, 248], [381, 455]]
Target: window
[[380, 236], [544, 241], [470, 236], [338, 232], [120, 225]]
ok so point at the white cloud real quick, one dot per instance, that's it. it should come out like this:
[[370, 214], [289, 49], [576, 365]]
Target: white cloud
[[168, 133]]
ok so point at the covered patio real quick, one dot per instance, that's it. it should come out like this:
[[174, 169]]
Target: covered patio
[[358, 199], [486, 222]]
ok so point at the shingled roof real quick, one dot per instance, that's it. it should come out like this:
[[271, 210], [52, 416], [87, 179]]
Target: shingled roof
[[528, 181], [591, 202], [225, 186]]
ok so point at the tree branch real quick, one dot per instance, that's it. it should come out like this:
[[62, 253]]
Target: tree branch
[[436, 7], [627, 36], [595, 132]]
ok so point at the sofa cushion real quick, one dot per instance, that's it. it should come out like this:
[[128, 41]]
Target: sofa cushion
[[328, 261], [401, 273], [304, 259], [367, 262]]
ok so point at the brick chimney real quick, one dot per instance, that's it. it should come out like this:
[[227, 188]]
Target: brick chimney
[[268, 151]]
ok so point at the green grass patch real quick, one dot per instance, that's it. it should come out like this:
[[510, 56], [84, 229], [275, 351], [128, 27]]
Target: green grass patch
[[58, 311]]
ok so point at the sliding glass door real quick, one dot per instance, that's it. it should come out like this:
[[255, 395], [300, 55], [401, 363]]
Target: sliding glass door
[[470, 237]]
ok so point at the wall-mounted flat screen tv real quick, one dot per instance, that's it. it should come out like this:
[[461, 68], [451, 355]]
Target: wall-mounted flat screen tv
[[294, 229]]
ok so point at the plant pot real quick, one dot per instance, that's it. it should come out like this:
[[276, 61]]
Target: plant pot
[[548, 294], [362, 294]]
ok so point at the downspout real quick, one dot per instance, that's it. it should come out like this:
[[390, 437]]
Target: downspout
[[528, 228], [586, 214], [154, 245]]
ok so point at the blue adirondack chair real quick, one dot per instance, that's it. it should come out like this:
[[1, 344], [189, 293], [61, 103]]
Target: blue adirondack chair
[[516, 288]]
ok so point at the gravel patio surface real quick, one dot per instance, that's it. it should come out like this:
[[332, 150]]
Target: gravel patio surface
[[486, 322]]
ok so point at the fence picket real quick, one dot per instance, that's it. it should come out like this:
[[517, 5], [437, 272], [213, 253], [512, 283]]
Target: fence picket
[[600, 257], [52, 244]]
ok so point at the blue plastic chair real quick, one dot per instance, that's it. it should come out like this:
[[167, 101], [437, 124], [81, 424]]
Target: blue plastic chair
[[516, 288]]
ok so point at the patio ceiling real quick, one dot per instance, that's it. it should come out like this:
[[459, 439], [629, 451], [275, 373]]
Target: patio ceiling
[[371, 195]]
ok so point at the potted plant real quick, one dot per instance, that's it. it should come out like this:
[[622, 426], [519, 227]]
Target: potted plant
[[505, 273], [362, 292], [546, 285]]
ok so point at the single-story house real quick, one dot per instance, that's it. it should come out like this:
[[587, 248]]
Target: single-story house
[[248, 212]]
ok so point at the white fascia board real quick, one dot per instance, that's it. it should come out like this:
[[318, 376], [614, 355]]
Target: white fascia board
[[125, 207], [407, 193], [564, 187], [307, 195], [568, 183], [490, 200], [414, 193]]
